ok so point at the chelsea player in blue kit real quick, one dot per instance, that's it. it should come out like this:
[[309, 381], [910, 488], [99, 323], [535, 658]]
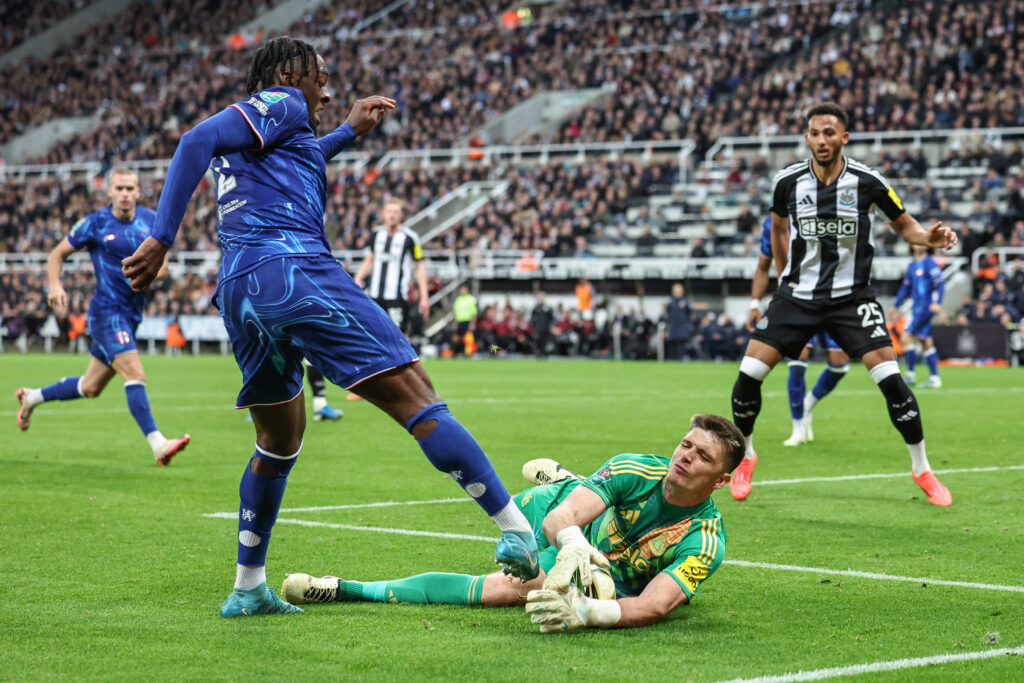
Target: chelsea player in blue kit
[[800, 402], [115, 312], [925, 287], [284, 297]]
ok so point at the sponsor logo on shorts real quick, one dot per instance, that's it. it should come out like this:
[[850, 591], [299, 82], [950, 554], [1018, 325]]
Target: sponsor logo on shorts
[[823, 227], [273, 97], [258, 106]]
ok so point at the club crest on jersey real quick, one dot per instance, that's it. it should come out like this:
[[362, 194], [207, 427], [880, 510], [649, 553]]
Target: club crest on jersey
[[109, 236], [847, 198], [273, 97], [813, 226]]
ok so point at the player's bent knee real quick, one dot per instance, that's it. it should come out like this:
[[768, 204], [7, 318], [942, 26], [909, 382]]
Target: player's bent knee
[[269, 463]]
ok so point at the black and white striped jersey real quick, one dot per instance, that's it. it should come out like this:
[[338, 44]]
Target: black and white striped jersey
[[393, 257], [831, 229]]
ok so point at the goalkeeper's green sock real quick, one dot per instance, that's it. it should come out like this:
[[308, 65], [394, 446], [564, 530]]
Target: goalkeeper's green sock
[[423, 589]]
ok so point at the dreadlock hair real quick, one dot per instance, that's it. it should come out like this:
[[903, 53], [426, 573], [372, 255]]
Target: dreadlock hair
[[274, 54]]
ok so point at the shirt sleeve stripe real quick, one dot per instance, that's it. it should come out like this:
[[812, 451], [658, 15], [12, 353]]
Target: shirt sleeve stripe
[[636, 464], [255, 132], [642, 475]]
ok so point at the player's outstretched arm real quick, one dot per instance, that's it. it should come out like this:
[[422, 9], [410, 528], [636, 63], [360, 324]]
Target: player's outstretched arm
[[57, 298], [937, 235], [368, 112], [223, 133]]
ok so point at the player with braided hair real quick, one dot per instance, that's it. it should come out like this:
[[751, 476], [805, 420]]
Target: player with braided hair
[[283, 297]]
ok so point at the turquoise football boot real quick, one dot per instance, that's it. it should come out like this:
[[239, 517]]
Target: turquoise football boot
[[517, 554], [253, 601]]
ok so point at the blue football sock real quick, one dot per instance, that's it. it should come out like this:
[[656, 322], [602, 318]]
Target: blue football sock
[[931, 357], [261, 498], [65, 389], [138, 404], [910, 354], [828, 380], [797, 388], [452, 449]]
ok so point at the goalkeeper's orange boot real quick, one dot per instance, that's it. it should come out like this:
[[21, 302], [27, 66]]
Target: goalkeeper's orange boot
[[741, 479], [936, 492]]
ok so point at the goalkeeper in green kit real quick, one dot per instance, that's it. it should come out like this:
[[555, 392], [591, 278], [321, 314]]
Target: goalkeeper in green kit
[[620, 548]]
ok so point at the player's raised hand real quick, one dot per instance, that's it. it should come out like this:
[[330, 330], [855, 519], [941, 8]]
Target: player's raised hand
[[142, 267], [368, 112], [58, 300], [941, 236]]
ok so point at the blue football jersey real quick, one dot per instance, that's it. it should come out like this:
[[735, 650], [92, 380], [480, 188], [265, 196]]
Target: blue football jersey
[[766, 237], [109, 240], [270, 199], [923, 283]]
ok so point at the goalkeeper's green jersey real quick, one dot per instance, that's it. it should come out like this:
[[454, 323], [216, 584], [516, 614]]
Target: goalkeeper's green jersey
[[641, 533]]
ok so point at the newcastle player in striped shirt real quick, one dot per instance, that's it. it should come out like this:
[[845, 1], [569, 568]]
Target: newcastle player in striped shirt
[[823, 218], [390, 262]]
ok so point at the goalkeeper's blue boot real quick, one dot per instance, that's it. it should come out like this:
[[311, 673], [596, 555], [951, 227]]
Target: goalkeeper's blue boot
[[253, 601], [327, 413], [517, 554]]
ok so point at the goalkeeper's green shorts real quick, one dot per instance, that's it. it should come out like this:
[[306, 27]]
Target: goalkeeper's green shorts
[[536, 503]]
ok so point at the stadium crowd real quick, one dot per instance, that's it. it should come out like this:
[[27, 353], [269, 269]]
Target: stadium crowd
[[20, 21], [446, 83], [667, 72]]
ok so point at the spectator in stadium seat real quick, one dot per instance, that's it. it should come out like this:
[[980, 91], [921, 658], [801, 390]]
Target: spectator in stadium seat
[[645, 241], [698, 250]]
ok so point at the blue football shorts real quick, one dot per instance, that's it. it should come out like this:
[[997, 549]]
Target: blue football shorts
[[305, 306], [112, 334], [824, 341], [921, 324]]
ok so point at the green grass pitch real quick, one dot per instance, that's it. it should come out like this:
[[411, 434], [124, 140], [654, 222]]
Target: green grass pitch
[[111, 571]]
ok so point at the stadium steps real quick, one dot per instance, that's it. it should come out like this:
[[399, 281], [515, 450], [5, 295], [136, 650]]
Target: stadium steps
[[541, 115], [44, 44]]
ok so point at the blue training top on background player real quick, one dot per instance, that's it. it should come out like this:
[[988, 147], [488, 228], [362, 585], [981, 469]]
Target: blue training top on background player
[[925, 286], [109, 240]]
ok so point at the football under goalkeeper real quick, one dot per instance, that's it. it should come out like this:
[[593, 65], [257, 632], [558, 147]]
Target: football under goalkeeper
[[620, 548]]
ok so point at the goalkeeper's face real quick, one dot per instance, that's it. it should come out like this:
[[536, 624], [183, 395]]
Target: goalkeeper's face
[[698, 464]]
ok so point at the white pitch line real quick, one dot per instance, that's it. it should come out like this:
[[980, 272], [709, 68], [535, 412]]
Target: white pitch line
[[768, 482], [848, 477], [739, 563], [875, 575], [876, 667], [555, 398], [374, 529]]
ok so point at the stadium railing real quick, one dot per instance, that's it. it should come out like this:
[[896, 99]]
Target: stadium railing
[[943, 140]]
